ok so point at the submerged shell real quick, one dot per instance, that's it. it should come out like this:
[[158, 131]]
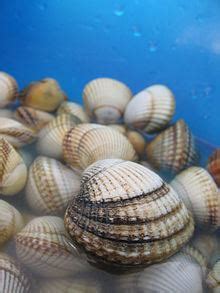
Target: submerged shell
[[8, 89], [151, 109], [200, 194], [45, 95], [13, 171], [173, 149], [214, 166], [74, 109], [88, 143], [213, 279], [126, 216], [105, 100], [42, 246], [50, 186]]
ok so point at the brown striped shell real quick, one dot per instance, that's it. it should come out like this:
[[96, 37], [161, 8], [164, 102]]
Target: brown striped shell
[[88, 143], [214, 166], [173, 149], [213, 279], [50, 186], [8, 89], [74, 109], [199, 192], [105, 100], [126, 216]]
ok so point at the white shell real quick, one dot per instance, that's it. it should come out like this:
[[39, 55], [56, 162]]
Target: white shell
[[8, 89], [75, 109], [6, 113], [213, 279]]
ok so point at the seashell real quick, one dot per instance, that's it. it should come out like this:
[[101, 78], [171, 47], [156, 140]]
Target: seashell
[[151, 109], [126, 216], [50, 186], [119, 127], [201, 196], [13, 171], [74, 109], [88, 143], [45, 95], [6, 113], [13, 278], [42, 246], [214, 166], [173, 149], [8, 89], [50, 138], [105, 100], [32, 118], [213, 279], [11, 221]]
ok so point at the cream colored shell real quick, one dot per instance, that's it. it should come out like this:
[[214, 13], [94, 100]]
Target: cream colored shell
[[74, 109], [213, 279], [8, 89]]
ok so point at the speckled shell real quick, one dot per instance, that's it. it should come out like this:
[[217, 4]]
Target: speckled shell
[[213, 279], [50, 138], [126, 216], [42, 246], [16, 133], [8, 89], [11, 221], [13, 278], [151, 109], [200, 194], [50, 186], [74, 109], [88, 143], [105, 100], [214, 166], [6, 113], [173, 149], [13, 171], [44, 95]]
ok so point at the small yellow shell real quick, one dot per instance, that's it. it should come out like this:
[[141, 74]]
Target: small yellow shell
[[213, 279], [8, 89], [74, 109]]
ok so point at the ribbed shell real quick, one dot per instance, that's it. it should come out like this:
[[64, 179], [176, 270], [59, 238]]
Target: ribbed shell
[[42, 246], [214, 166], [12, 278], [105, 100], [88, 143], [50, 138], [126, 216], [74, 109], [13, 171], [213, 279], [200, 194], [173, 149], [50, 186], [151, 109], [8, 89]]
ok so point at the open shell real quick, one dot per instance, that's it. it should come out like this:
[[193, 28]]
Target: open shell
[[8, 89], [74, 109], [213, 279], [214, 166]]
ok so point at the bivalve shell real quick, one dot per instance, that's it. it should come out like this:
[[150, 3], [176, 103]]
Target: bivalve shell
[[8, 89], [214, 166], [213, 279], [74, 109]]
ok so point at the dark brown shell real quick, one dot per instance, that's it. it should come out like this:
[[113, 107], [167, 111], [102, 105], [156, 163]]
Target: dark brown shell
[[214, 166]]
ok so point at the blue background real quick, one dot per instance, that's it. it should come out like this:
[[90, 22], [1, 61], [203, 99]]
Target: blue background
[[140, 42]]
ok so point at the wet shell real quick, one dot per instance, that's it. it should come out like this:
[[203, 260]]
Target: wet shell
[[173, 149], [6, 113], [13, 171], [88, 143], [11, 221], [151, 109], [105, 100], [42, 246], [50, 186], [44, 95], [213, 279], [32, 118], [50, 138], [214, 166], [74, 109], [200, 194], [8, 89], [126, 216], [13, 278]]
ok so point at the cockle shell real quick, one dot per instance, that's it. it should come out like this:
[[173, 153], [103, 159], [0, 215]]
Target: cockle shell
[[50, 138], [8, 89], [16, 133], [173, 149], [213, 279], [88, 143], [50, 186], [151, 109], [13, 171], [32, 118], [199, 192], [126, 216], [6, 113], [74, 109], [45, 95], [12, 277], [11, 221], [42, 246], [214, 166], [105, 100]]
